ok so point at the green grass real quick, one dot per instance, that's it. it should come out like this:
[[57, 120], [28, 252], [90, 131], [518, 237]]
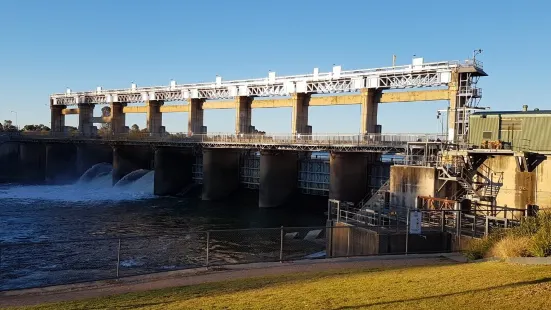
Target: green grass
[[490, 285]]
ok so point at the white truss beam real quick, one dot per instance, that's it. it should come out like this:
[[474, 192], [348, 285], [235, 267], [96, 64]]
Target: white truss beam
[[409, 76]]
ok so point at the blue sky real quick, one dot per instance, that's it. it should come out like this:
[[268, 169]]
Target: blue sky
[[46, 46]]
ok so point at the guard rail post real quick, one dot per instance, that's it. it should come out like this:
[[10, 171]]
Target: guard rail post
[[207, 254], [281, 246], [118, 257]]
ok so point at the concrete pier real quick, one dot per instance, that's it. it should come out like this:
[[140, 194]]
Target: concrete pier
[[85, 115], [195, 117], [91, 154], [348, 176], [243, 115], [370, 98], [32, 159], [130, 158], [154, 117], [278, 177], [118, 118], [61, 163], [173, 171], [299, 115], [57, 118], [220, 173]]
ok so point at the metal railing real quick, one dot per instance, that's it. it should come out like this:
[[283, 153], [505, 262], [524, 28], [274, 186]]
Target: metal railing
[[254, 138], [475, 223]]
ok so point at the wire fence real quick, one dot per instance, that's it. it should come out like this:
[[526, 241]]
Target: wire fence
[[40, 264], [27, 265]]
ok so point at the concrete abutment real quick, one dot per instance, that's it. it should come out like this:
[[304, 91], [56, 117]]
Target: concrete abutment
[[220, 172], [173, 170], [278, 177]]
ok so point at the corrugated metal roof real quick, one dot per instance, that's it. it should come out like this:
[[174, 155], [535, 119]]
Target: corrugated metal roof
[[512, 113]]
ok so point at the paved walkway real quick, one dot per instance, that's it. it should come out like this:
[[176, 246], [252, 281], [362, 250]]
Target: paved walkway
[[202, 275]]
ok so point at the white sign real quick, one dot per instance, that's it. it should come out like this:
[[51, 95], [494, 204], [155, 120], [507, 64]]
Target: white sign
[[415, 222]]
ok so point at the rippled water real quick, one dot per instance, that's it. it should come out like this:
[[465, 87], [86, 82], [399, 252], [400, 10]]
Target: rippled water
[[96, 208], [93, 208]]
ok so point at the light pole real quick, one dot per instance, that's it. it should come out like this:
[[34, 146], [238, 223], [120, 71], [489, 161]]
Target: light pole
[[16, 123]]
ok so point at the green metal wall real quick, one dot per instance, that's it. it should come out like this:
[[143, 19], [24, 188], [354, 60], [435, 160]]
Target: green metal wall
[[478, 125], [533, 133]]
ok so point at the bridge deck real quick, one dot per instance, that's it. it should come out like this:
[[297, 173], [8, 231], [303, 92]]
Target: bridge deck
[[383, 143]]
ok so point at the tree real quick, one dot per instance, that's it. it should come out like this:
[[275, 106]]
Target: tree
[[40, 127], [8, 126], [135, 128], [105, 112]]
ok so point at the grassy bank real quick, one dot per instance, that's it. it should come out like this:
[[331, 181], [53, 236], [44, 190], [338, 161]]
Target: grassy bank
[[463, 286]]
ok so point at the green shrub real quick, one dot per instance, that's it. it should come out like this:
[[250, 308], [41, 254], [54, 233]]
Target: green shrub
[[478, 248], [541, 240], [531, 238]]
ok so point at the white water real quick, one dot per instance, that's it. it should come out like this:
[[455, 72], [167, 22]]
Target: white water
[[97, 189]]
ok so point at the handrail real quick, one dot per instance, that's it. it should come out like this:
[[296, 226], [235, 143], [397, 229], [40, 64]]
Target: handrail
[[287, 138]]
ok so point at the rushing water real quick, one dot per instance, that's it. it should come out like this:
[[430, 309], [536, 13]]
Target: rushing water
[[92, 207]]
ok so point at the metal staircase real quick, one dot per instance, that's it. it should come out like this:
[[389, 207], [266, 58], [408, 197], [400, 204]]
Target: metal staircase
[[375, 201], [468, 173]]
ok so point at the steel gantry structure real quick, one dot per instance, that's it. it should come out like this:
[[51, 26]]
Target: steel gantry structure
[[460, 78]]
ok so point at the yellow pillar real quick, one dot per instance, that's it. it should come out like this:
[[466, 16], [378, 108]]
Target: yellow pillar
[[195, 116], [300, 113], [369, 105], [243, 114]]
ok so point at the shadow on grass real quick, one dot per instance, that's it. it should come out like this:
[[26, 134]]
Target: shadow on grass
[[512, 285]]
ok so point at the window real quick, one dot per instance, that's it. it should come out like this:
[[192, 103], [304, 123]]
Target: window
[[487, 135]]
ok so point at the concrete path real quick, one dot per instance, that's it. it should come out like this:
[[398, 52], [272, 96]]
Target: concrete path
[[202, 275]]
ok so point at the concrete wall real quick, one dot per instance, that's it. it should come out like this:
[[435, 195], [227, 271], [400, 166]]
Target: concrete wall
[[173, 170], [408, 182], [9, 161], [220, 173], [61, 163], [348, 176], [278, 177], [517, 187], [346, 240], [32, 162], [542, 185]]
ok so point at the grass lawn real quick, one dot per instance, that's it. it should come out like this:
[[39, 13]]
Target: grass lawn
[[488, 285]]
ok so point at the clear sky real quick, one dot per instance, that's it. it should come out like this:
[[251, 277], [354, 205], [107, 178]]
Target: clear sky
[[46, 46]]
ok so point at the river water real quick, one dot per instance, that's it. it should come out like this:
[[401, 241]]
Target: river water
[[94, 208], [34, 218]]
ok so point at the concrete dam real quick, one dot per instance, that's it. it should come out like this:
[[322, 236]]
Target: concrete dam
[[277, 175]]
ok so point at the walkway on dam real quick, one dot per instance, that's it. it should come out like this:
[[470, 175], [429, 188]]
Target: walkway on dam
[[317, 142], [224, 273]]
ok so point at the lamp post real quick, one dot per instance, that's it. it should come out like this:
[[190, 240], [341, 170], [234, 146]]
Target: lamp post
[[16, 123]]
